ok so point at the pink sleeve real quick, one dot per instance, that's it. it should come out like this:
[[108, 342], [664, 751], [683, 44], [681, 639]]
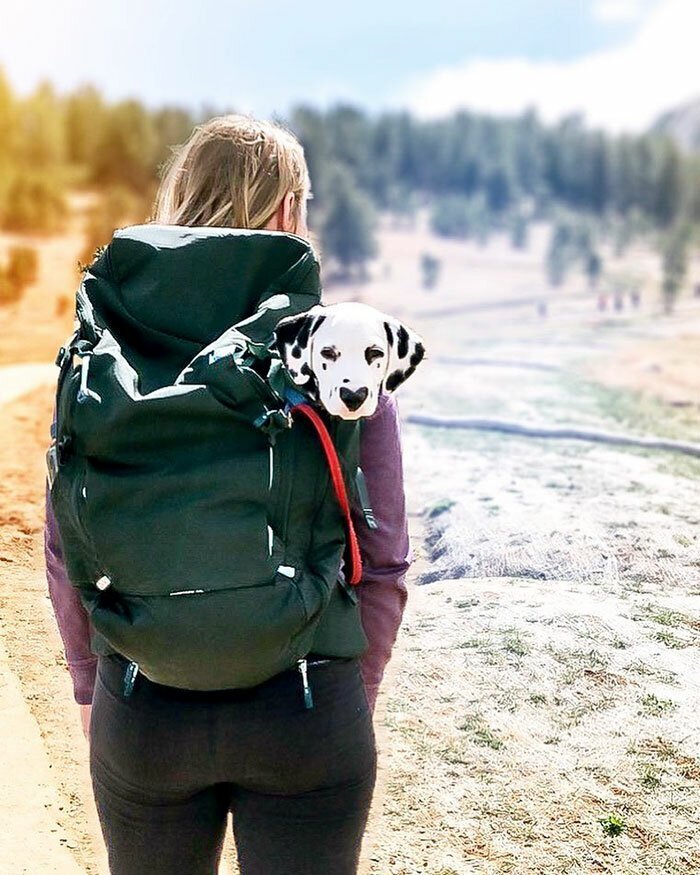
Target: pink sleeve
[[386, 553], [71, 616]]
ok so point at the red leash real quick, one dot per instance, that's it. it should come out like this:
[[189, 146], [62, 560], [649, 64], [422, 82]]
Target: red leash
[[353, 559]]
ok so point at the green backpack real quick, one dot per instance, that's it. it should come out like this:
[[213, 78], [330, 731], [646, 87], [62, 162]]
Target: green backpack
[[197, 517]]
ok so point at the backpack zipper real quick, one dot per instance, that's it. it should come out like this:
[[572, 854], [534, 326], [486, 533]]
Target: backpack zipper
[[130, 673], [303, 671], [363, 495]]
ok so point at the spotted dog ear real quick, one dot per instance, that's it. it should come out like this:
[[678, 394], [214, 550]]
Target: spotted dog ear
[[293, 336], [405, 352]]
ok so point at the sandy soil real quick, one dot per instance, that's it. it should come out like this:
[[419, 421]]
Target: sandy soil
[[542, 696], [30, 637]]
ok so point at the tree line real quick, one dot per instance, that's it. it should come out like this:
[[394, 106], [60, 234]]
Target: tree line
[[474, 172]]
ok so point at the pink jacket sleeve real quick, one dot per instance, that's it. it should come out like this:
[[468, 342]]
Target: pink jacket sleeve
[[71, 616], [386, 553]]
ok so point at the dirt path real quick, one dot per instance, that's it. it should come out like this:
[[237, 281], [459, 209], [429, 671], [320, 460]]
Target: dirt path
[[49, 820]]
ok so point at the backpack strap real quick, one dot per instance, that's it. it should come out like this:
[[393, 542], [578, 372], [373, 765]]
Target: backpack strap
[[353, 559]]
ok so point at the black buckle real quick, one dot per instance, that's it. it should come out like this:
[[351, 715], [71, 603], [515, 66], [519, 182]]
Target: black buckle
[[64, 448], [63, 353]]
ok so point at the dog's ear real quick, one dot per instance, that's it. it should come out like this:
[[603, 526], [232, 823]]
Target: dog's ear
[[405, 351], [293, 338]]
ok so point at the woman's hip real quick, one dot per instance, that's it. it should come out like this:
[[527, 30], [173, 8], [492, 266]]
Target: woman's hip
[[164, 740]]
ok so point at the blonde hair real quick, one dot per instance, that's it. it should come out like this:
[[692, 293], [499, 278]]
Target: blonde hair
[[233, 171]]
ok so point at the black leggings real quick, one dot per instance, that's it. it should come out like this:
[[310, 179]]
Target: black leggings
[[168, 765]]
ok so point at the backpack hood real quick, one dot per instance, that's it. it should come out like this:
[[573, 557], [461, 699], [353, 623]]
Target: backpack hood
[[166, 291]]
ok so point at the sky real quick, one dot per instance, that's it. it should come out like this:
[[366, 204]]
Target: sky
[[619, 62]]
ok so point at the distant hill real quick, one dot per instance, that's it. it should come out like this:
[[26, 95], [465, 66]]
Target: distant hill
[[683, 124]]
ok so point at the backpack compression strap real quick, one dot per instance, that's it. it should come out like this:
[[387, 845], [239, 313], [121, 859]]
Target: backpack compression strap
[[353, 559]]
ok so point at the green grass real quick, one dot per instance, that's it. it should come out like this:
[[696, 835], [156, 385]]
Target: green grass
[[651, 704], [439, 508], [670, 640], [480, 732], [513, 643], [635, 411], [613, 824], [649, 776]]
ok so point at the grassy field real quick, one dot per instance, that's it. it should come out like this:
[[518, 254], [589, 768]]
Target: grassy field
[[540, 712]]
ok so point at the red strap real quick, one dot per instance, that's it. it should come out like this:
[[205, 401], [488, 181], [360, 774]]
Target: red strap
[[353, 559]]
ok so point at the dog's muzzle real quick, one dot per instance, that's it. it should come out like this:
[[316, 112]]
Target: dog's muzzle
[[353, 399]]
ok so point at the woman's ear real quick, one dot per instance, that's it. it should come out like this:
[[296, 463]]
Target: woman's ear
[[288, 221], [294, 341], [283, 217], [405, 351]]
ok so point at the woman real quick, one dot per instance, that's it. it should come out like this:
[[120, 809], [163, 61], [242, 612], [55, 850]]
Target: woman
[[167, 765]]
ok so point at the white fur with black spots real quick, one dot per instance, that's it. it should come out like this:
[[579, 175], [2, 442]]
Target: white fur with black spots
[[343, 355]]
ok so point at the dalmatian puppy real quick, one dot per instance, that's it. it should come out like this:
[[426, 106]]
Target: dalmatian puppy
[[343, 355]]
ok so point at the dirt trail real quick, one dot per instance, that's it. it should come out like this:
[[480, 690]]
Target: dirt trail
[[17, 380], [29, 803], [45, 801]]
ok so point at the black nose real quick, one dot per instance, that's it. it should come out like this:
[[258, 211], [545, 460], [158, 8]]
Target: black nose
[[353, 400]]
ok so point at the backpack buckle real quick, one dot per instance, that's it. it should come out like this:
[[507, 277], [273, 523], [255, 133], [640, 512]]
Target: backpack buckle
[[61, 356], [272, 422], [51, 465], [84, 392], [64, 447]]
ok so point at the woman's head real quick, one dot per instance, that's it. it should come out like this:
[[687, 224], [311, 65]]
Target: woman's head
[[236, 172]]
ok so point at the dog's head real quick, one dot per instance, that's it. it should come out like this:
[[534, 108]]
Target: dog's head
[[343, 354]]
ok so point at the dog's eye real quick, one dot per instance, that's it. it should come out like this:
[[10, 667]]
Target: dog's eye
[[330, 353], [372, 353]]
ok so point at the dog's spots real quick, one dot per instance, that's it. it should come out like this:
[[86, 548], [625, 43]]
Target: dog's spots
[[296, 352], [389, 335], [372, 353], [394, 379], [324, 365], [317, 324], [402, 347], [417, 356], [286, 330], [304, 333], [312, 385]]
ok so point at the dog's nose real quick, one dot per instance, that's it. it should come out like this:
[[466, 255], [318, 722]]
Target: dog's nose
[[353, 400]]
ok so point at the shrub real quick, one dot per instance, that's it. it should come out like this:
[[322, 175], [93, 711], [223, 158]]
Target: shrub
[[115, 207], [35, 203], [9, 292], [23, 266], [63, 305]]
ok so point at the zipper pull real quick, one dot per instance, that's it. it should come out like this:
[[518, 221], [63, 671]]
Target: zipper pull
[[83, 392], [308, 698], [130, 673], [363, 495]]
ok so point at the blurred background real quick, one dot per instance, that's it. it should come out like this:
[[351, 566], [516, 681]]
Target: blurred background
[[520, 183]]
